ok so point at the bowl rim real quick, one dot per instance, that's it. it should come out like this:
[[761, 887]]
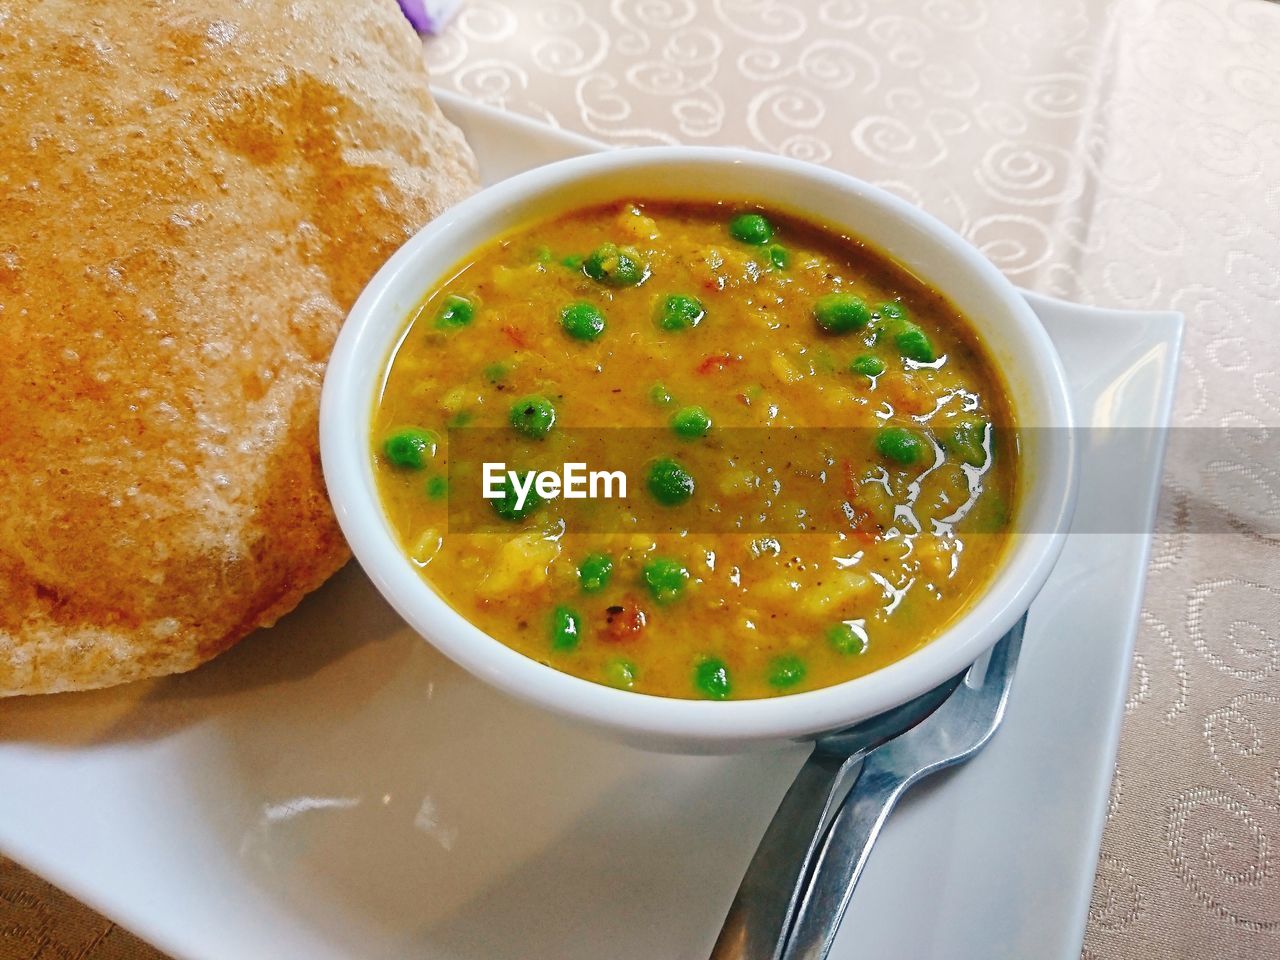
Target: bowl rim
[[346, 409]]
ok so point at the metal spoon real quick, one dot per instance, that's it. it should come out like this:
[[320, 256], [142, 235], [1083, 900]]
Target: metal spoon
[[777, 879], [950, 735], [760, 916]]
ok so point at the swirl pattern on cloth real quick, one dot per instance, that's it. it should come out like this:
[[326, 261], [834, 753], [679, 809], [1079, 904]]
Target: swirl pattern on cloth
[[1125, 154]]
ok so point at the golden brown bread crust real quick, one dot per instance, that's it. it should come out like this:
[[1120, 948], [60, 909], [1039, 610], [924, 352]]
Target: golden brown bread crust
[[192, 194]]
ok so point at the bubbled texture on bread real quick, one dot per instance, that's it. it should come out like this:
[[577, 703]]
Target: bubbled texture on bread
[[192, 194]]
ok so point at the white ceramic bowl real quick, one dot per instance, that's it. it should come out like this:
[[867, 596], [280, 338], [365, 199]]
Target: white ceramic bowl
[[929, 248]]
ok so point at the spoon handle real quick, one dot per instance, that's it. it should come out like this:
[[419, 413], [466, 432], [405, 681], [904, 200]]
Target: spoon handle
[[757, 923], [840, 863]]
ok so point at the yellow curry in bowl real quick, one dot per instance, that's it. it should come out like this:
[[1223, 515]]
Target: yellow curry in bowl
[[870, 505]]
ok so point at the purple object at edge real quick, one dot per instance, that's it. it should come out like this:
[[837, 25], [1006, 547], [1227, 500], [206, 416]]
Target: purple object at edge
[[429, 16]]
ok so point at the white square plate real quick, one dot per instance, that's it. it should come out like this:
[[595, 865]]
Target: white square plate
[[333, 788]]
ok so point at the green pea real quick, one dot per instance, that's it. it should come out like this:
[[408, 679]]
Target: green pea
[[751, 228], [615, 266], [669, 482], [990, 514], [679, 311], [573, 261], [542, 255], [914, 344], [844, 639], [582, 321], [437, 487], [899, 445], [459, 419], [410, 448], [966, 440], [786, 671], [779, 257], [711, 677], [867, 365], [841, 312], [566, 629], [660, 395], [594, 572], [534, 416], [496, 372], [506, 506], [691, 422], [665, 578], [455, 312], [620, 673], [892, 310]]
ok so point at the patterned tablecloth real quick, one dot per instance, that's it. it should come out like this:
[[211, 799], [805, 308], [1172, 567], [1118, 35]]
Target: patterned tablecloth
[[1119, 152]]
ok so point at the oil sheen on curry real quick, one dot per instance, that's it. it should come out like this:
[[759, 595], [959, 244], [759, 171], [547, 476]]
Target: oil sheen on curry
[[659, 335]]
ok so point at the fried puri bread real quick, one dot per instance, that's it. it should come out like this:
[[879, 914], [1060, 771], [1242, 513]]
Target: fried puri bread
[[192, 194]]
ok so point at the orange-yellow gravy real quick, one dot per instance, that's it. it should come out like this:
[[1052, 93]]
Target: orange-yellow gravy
[[693, 325]]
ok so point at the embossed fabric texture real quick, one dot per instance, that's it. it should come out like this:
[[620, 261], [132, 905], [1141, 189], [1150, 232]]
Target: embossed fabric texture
[[1118, 152]]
